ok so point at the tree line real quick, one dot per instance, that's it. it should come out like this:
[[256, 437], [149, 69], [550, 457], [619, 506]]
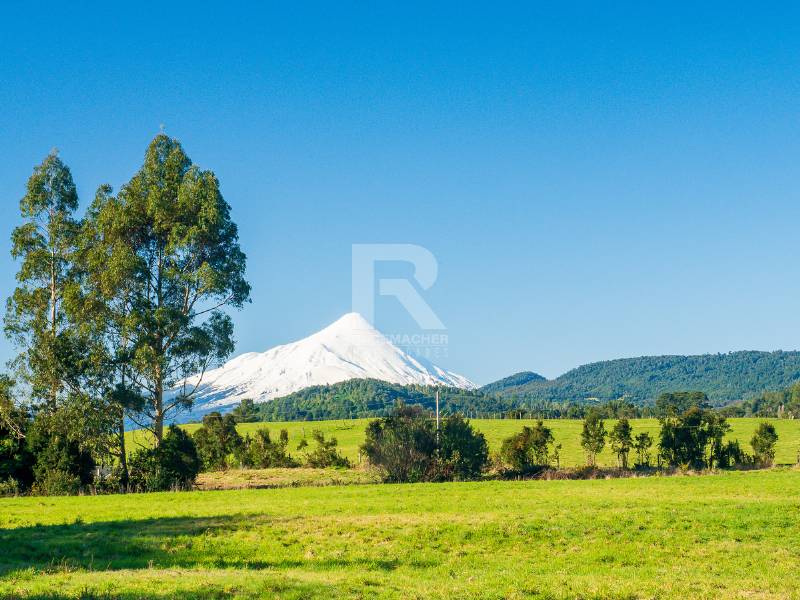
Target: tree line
[[113, 310]]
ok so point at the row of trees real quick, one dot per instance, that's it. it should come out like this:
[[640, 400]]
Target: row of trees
[[693, 439], [113, 311]]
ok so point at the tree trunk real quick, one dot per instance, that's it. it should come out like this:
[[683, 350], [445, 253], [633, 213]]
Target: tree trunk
[[124, 478]]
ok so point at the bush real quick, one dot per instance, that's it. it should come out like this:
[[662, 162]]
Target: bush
[[10, 487], [216, 441], [462, 449], [263, 453], [172, 465], [324, 454], [763, 443], [61, 465], [528, 450], [404, 446], [56, 482]]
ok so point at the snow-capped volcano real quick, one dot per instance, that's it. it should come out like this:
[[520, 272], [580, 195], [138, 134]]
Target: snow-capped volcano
[[350, 348]]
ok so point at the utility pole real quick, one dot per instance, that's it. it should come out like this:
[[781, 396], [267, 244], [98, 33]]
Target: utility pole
[[437, 417]]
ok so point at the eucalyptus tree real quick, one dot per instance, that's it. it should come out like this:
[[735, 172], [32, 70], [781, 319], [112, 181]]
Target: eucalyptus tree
[[36, 318], [170, 256]]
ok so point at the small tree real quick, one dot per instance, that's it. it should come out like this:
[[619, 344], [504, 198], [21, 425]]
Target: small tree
[[621, 441], [641, 445], [529, 449], [593, 437], [763, 443], [216, 440], [325, 454]]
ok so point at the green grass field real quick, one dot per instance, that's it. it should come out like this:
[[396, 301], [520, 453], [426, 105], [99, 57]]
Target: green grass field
[[567, 432], [735, 535]]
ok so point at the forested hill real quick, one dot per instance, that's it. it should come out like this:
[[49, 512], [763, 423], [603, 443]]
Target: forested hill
[[357, 398], [724, 378]]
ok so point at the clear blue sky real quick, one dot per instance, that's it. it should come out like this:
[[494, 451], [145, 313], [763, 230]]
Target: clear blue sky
[[595, 181]]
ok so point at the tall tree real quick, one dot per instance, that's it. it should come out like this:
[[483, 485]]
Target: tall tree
[[44, 244], [593, 436], [621, 441], [169, 234]]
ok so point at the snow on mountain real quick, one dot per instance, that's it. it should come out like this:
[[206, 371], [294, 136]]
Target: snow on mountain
[[350, 348]]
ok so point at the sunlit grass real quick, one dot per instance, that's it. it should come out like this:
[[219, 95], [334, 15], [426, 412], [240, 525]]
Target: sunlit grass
[[734, 535]]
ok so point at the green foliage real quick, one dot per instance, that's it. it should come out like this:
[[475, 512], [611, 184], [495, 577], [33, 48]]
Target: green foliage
[[529, 450], [670, 404], [693, 439], [725, 378], [261, 452], [463, 452], [246, 412], [763, 443], [641, 445], [593, 437], [44, 245], [621, 441], [781, 404], [364, 398], [63, 465], [513, 381], [402, 445], [16, 460], [168, 238], [325, 452], [217, 441], [172, 465]]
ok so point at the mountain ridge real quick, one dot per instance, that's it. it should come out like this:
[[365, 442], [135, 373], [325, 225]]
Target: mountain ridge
[[724, 377]]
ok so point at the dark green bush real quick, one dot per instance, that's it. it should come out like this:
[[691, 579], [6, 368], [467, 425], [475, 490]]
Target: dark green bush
[[172, 465]]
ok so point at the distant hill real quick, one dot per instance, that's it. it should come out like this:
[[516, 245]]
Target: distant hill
[[512, 381], [359, 398], [725, 378]]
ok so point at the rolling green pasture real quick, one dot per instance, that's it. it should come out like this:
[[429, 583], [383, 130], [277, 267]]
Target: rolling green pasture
[[567, 432], [734, 535]]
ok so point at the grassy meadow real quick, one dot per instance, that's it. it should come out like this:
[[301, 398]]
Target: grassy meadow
[[567, 433], [733, 535]]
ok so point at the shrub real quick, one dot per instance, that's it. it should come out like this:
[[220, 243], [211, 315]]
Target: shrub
[[216, 441], [402, 445], [61, 465], [763, 443], [56, 482], [325, 454], [10, 487], [462, 449], [528, 450], [173, 464], [261, 452]]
